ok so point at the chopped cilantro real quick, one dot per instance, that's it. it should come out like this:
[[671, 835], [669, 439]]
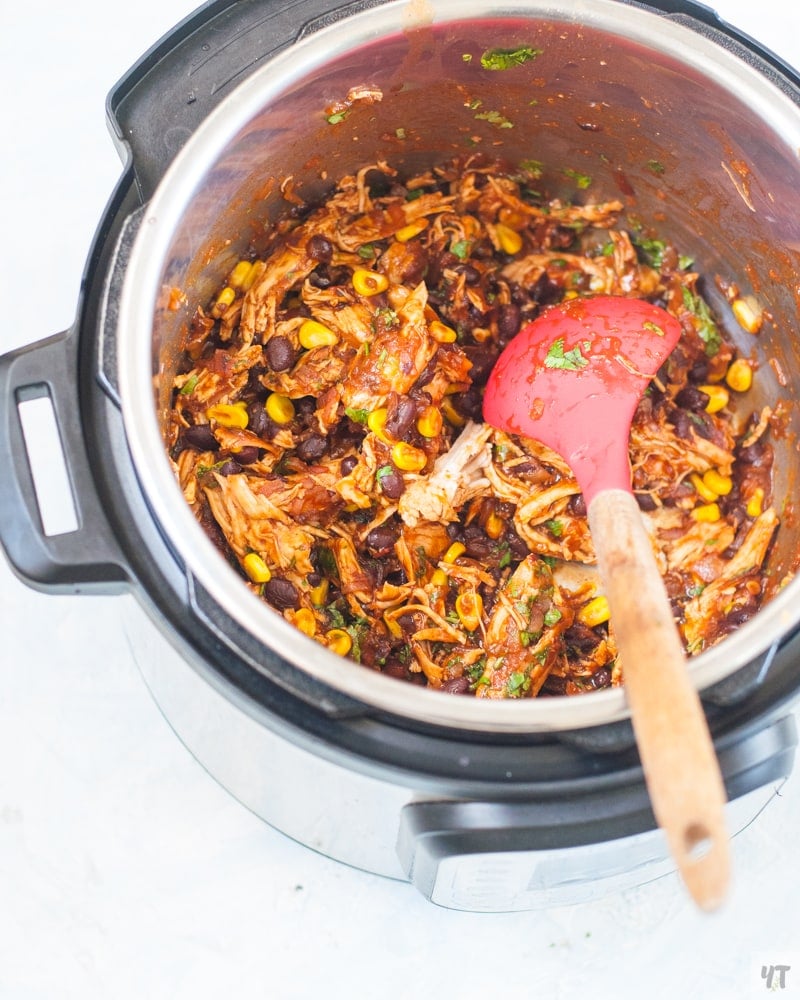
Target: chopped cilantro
[[552, 616], [505, 558], [652, 251], [556, 528], [366, 252], [494, 118], [499, 59], [655, 167], [460, 249], [706, 327], [385, 470], [190, 384], [533, 168], [337, 116], [517, 684], [466, 57], [357, 416], [583, 181], [571, 360]]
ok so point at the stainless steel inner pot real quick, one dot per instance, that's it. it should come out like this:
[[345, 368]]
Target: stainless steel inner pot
[[696, 134]]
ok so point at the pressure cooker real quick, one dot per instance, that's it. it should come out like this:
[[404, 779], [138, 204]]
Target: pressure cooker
[[481, 805]]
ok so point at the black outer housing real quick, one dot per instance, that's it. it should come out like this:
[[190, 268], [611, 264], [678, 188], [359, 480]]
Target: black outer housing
[[569, 787]]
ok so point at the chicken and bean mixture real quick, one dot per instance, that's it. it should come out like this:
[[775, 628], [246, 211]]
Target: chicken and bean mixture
[[327, 432]]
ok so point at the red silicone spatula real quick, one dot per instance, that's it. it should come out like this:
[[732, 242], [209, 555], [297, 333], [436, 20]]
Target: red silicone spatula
[[572, 379]]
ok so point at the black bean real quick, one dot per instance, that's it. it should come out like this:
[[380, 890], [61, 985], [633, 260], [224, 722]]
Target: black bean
[[280, 353], [577, 505], [229, 468], [456, 685], [320, 248], [247, 455], [312, 448], [392, 484], [281, 594], [258, 421], [692, 398], [645, 501], [600, 678], [201, 437], [380, 541], [508, 321], [401, 413], [347, 465]]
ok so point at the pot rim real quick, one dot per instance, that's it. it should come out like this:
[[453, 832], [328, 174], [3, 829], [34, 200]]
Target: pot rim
[[671, 36]]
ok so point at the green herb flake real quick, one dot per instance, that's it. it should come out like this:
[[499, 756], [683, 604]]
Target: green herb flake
[[583, 181], [652, 328], [552, 616], [366, 252], [337, 117], [494, 118], [556, 528], [357, 416], [500, 59], [706, 327], [190, 385], [383, 472], [517, 684], [655, 167], [572, 360], [533, 168], [400, 133], [460, 249], [466, 57]]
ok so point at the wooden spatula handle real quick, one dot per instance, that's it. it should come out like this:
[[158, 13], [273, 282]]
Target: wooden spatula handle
[[675, 746]]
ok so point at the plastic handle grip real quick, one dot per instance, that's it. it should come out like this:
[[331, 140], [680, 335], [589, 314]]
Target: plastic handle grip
[[87, 559]]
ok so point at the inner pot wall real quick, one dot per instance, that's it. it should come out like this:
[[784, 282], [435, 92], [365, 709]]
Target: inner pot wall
[[698, 141]]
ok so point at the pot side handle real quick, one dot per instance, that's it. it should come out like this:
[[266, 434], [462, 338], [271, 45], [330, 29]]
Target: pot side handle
[[52, 526], [495, 856]]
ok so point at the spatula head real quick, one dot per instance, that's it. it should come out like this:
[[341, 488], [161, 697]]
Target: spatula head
[[573, 377]]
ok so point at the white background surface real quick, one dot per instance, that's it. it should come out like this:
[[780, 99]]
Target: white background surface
[[125, 870]]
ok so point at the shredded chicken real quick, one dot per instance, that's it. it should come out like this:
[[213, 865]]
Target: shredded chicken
[[327, 432]]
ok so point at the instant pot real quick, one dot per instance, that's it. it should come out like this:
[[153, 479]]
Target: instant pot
[[481, 805]]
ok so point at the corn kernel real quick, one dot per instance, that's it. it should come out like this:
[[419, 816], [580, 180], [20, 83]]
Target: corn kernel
[[596, 612], [707, 513], [279, 408], [394, 629], [369, 282], [257, 268], [338, 641], [232, 415], [411, 230], [510, 242], [469, 608], [719, 484], [313, 334], [376, 422], [703, 490], [454, 551], [224, 299], [240, 274], [451, 414], [256, 568], [429, 422], [740, 375], [442, 333], [495, 526], [304, 619], [717, 397], [408, 458], [319, 594], [749, 314], [439, 578], [755, 505]]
